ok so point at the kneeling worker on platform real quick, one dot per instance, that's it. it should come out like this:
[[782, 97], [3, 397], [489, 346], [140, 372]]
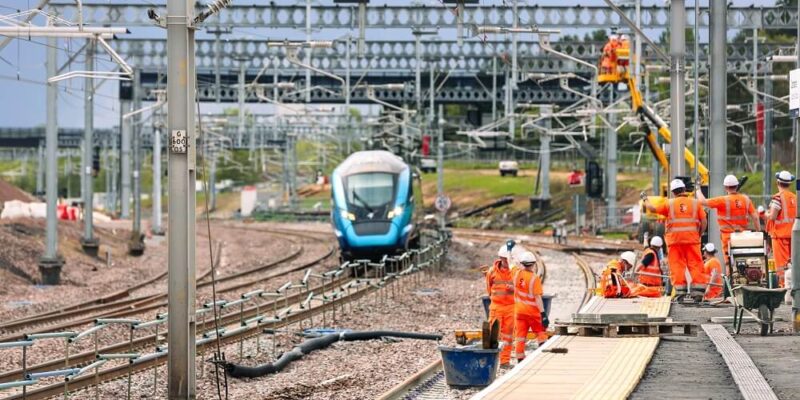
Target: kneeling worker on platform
[[529, 312], [612, 282], [782, 210], [649, 270], [686, 219], [733, 210], [712, 268], [500, 287]]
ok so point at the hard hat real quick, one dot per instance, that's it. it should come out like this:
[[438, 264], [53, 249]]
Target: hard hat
[[510, 243], [613, 36], [629, 257], [710, 248], [760, 209], [784, 177], [676, 184], [527, 258], [503, 252], [624, 37], [656, 241], [730, 180]]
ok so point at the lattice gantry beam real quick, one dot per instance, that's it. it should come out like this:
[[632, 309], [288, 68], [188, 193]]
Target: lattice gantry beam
[[384, 16], [472, 57]]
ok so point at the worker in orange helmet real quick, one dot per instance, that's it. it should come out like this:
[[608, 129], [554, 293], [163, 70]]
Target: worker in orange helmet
[[500, 287], [733, 210], [781, 214], [712, 268], [612, 282], [649, 269], [686, 219], [529, 312]]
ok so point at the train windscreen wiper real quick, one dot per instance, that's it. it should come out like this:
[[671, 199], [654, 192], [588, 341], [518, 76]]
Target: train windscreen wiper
[[357, 197]]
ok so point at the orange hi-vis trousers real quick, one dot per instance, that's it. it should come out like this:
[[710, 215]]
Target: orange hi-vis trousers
[[522, 324], [682, 257], [782, 253], [506, 317]]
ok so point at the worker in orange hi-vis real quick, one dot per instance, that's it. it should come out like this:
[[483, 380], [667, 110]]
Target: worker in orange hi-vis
[[612, 283], [712, 268], [686, 219], [529, 312], [500, 287], [780, 217], [734, 211], [649, 269]]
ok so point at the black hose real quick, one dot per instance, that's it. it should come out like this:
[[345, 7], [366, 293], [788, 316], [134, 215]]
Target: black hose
[[310, 345]]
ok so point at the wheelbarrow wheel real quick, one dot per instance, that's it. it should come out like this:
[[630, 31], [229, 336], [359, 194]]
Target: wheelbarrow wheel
[[764, 315]]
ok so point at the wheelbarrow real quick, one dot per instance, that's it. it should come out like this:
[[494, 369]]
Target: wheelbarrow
[[763, 300]]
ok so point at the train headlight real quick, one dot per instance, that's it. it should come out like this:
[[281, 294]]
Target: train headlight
[[347, 215], [395, 212]]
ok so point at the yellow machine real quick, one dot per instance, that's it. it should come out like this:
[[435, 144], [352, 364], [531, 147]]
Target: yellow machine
[[614, 69]]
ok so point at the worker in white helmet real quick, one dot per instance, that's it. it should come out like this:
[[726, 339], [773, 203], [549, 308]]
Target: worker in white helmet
[[529, 312], [713, 269], [500, 288], [611, 280], [780, 217], [685, 222], [735, 211], [649, 268]]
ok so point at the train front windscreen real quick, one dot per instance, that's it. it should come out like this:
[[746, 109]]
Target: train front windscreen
[[371, 195]]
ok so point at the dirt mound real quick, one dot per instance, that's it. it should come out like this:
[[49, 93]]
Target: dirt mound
[[10, 192], [23, 242]]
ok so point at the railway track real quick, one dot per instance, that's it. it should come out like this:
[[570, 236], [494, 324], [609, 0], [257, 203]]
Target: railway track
[[234, 330], [429, 383]]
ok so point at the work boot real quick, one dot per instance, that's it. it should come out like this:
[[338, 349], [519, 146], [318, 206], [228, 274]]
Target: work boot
[[506, 366]]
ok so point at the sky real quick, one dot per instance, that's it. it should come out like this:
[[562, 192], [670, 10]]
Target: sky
[[22, 66]]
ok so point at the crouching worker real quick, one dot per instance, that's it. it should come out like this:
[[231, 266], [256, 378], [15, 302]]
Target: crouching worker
[[529, 312], [713, 268], [614, 285], [649, 270]]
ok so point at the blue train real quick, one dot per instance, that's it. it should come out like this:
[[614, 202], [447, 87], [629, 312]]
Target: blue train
[[374, 195]]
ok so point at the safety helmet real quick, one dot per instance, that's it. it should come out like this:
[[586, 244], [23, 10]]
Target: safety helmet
[[656, 241], [503, 251], [710, 248], [784, 177], [761, 209], [730, 181], [613, 36], [676, 184], [527, 258], [629, 257]]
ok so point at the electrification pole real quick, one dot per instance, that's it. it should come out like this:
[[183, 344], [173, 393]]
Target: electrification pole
[[717, 98], [796, 227], [50, 262], [768, 131], [136, 244], [182, 152], [437, 122], [677, 50], [155, 227], [125, 160], [89, 243], [611, 167]]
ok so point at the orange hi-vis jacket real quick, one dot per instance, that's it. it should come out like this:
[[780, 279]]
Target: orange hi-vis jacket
[[527, 286], [500, 286], [684, 216], [732, 211], [782, 225], [612, 283], [653, 268], [713, 269]]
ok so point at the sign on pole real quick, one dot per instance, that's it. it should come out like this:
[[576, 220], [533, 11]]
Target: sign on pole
[[442, 203], [794, 93]]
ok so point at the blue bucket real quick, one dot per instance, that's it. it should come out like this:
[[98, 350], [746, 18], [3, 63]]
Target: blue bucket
[[547, 299], [469, 366]]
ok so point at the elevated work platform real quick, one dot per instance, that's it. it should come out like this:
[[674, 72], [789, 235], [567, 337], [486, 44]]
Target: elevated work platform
[[578, 367]]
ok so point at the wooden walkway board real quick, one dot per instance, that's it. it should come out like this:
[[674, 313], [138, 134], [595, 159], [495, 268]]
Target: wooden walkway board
[[593, 368], [748, 378], [654, 307]]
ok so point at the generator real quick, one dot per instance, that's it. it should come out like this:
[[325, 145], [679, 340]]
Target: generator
[[748, 263]]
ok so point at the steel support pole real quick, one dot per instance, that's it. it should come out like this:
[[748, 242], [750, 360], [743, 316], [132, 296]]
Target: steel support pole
[[440, 162], [218, 66], [717, 98], [125, 160], [88, 241], [767, 133], [494, 88], [136, 144], [349, 132], [308, 51], [796, 227], [155, 227], [696, 108], [181, 279], [418, 72], [755, 86], [242, 113], [107, 170], [544, 154], [432, 90], [637, 66], [513, 80], [40, 170], [50, 262], [212, 182], [677, 50], [611, 168]]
